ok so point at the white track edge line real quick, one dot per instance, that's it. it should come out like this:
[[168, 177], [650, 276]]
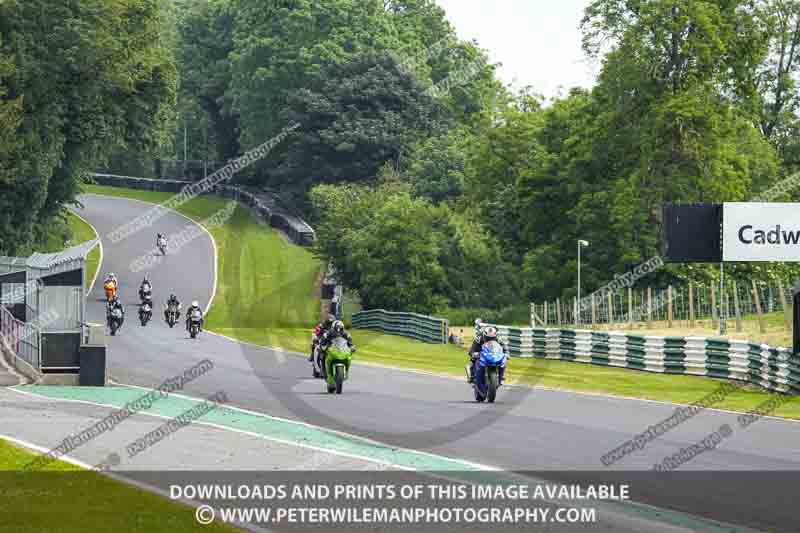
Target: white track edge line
[[100, 244], [121, 479], [224, 428], [42, 449], [350, 436], [631, 504]]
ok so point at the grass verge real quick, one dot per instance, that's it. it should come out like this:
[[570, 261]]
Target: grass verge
[[269, 272], [64, 498], [62, 236]]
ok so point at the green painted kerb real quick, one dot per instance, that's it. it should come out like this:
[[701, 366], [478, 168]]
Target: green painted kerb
[[284, 430], [304, 435]]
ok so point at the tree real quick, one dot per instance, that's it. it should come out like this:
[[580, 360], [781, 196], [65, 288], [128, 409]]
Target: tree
[[405, 254], [11, 231], [367, 112], [669, 120], [280, 51], [436, 166], [498, 159], [383, 243], [207, 29], [92, 77]]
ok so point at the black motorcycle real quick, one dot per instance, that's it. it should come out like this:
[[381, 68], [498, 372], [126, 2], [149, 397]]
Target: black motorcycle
[[146, 311], [194, 323], [172, 314], [115, 320]]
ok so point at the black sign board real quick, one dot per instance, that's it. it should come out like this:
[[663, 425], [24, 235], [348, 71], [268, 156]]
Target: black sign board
[[691, 233]]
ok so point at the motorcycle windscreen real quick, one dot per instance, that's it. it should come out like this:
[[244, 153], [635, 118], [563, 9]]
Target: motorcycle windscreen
[[492, 353], [339, 347]]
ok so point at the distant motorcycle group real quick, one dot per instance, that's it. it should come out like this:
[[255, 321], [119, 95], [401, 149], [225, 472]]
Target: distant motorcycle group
[[115, 312]]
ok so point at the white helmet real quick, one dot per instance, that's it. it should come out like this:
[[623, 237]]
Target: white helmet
[[195, 304], [490, 333]]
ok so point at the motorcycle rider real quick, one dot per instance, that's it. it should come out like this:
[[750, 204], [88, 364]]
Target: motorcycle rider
[[172, 303], [161, 240], [115, 303], [145, 289], [483, 335], [192, 308], [336, 331], [319, 331]]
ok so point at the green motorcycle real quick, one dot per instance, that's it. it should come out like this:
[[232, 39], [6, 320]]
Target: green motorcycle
[[337, 364]]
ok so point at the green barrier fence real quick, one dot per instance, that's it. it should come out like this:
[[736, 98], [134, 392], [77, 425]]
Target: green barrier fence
[[419, 327], [775, 369]]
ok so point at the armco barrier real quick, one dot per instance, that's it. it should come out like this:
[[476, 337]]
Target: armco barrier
[[774, 369], [263, 204], [419, 327]]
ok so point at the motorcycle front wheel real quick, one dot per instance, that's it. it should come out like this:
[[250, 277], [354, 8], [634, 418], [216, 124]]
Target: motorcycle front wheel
[[339, 379], [493, 384]]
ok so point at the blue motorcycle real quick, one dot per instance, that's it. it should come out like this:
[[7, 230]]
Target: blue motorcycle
[[489, 371]]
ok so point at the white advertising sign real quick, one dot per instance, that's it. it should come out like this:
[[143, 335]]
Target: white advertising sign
[[760, 231]]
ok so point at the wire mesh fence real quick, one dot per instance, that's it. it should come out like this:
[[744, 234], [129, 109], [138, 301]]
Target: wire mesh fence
[[686, 303]]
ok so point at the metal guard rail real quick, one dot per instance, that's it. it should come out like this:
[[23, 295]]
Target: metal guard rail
[[775, 369], [420, 327]]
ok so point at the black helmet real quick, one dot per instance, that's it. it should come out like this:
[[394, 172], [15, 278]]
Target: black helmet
[[328, 323]]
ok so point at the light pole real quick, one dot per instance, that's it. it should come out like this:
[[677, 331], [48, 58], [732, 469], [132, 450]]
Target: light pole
[[581, 243]]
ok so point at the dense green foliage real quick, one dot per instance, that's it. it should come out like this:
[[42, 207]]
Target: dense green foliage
[[346, 136], [78, 79], [403, 252], [432, 186]]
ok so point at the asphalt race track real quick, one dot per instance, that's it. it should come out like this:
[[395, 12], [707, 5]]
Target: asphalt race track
[[528, 429]]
